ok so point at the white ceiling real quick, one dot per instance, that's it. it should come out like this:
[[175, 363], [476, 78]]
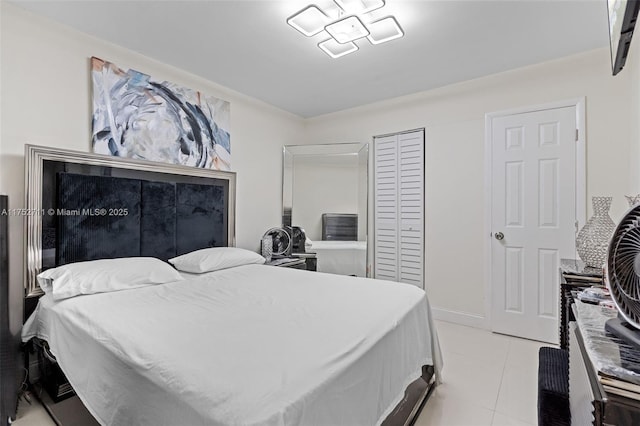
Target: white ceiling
[[248, 47]]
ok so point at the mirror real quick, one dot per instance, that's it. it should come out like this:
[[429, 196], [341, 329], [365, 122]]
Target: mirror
[[325, 189]]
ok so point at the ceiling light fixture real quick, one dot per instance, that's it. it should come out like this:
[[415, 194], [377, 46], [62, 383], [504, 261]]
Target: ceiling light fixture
[[359, 6], [309, 21], [334, 49], [312, 20], [347, 29], [383, 30]]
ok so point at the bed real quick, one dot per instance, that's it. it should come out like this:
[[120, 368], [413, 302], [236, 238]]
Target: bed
[[247, 345]]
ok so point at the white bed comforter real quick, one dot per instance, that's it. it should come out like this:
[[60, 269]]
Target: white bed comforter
[[252, 345]]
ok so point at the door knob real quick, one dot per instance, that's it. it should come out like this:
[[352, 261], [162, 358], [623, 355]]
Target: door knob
[[499, 236]]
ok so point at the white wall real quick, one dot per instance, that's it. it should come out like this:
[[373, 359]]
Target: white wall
[[46, 100], [455, 147]]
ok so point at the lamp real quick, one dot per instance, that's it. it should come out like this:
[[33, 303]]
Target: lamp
[[312, 20]]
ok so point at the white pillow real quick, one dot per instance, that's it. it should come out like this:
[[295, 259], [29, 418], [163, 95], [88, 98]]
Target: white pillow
[[100, 276], [215, 258]]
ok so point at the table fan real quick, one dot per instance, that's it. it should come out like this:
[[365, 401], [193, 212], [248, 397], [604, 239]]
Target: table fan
[[623, 277], [281, 241]]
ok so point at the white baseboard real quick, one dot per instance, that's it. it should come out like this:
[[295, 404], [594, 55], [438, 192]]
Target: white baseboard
[[461, 318]]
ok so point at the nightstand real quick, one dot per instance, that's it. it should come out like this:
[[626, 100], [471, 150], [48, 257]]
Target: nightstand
[[311, 260], [288, 262]]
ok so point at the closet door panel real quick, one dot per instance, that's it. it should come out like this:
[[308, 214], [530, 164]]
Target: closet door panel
[[386, 258], [411, 255], [411, 207], [399, 207], [386, 208]]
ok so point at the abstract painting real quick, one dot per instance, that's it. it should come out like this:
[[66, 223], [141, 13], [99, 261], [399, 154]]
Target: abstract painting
[[137, 117]]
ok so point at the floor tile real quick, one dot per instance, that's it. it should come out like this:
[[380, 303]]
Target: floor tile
[[500, 419], [445, 409], [484, 372], [471, 380], [518, 392], [524, 352], [32, 414], [483, 344]]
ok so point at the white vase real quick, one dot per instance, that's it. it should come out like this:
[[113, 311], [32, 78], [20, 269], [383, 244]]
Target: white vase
[[593, 239], [633, 199]]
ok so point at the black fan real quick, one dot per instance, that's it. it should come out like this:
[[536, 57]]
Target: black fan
[[280, 240], [623, 277], [298, 238]]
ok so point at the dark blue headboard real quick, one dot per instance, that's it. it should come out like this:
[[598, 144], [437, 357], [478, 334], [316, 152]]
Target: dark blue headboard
[[100, 211], [107, 217], [93, 206]]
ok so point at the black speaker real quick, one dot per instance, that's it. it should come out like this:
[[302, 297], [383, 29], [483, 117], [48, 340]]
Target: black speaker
[[8, 350]]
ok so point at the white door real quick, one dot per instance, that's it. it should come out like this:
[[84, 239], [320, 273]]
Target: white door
[[399, 207], [533, 218]]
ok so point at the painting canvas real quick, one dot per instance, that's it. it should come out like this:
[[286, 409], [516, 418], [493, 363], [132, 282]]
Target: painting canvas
[[137, 117]]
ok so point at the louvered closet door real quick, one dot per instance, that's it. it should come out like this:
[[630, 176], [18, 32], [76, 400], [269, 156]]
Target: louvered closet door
[[399, 207], [386, 208], [411, 204]]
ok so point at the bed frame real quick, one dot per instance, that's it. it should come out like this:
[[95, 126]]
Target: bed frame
[[87, 206]]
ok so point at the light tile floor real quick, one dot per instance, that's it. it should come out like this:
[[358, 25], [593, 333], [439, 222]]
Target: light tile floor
[[32, 414], [488, 379]]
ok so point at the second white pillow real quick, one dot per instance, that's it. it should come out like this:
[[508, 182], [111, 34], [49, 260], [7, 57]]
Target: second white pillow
[[215, 258]]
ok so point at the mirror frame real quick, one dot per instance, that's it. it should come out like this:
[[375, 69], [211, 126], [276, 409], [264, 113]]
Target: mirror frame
[[362, 150]]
